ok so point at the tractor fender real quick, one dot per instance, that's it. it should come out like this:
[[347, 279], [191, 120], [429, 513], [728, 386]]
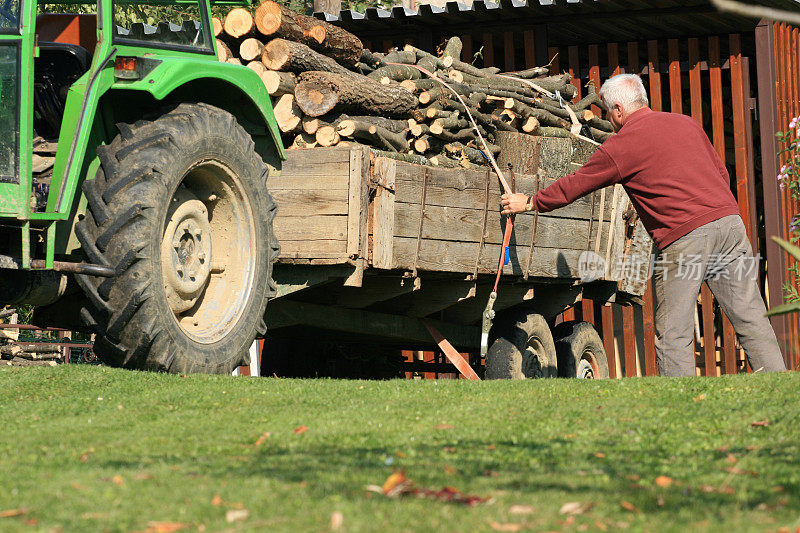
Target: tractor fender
[[235, 88]]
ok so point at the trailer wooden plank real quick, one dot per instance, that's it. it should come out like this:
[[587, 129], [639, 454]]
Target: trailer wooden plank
[[607, 318], [354, 203], [320, 248], [629, 340], [311, 227], [453, 256], [466, 225], [319, 202], [383, 212]]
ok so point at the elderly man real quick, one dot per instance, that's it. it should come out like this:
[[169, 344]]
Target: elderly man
[[681, 191]]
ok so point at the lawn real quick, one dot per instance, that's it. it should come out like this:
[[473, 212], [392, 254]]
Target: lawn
[[97, 449]]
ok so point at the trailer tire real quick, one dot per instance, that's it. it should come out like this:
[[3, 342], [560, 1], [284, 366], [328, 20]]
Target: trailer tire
[[580, 351], [521, 347], [180, 209]]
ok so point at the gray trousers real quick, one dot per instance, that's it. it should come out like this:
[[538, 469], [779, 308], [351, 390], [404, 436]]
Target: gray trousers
[[718, 253]]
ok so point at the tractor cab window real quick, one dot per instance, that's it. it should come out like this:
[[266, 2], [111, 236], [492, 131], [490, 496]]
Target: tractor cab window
[[9, 111], [162, 25], [9, 16]]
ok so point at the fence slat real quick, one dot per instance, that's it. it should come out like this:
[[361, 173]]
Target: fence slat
[[633, 58], [695, 91], [488, 50], [508, 51], [740, 147], [629, 341], [529, 41], [553, 58], [613, 59], [649, 330], [594, 73], [607, 317], [675, 94], [653, 76], [466, 48], [575, 70]]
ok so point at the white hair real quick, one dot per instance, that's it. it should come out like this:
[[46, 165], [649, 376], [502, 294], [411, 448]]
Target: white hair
[[626, 90]]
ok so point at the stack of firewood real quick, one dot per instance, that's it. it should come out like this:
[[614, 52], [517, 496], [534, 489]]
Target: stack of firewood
[[328, 90]]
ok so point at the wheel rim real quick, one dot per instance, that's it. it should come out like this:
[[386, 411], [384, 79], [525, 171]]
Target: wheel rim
[[208, 252], [531, 362], [587, 366]]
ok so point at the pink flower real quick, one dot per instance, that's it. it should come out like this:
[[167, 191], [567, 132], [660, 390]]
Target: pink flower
[[793, 123]]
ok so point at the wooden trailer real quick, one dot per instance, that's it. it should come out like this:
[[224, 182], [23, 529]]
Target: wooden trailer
[[371, 247]]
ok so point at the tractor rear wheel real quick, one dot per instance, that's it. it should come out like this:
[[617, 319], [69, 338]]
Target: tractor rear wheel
[[580, 351], [180, 209], [522, 347]]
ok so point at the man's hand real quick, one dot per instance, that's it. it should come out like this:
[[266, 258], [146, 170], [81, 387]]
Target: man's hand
[[513, 203]]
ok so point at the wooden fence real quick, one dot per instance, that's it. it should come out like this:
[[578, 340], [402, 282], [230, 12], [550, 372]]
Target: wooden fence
[[709, 79]]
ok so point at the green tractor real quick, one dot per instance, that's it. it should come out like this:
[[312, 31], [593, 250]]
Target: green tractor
[[133, 182]]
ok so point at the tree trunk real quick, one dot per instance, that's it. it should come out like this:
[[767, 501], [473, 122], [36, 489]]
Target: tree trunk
[[280, 54], [320, 92], [238, 23]]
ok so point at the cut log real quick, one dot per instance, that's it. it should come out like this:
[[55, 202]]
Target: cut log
[[258, 67], [418, 130], [327, 136], [408, 158], [400, 56], [216, 24], [408, 85], [238, 23], [422, 54], [534, 72], [280, 54], [443, 161], [223, 52], [18, 361], [287, 113], [396, 73], [279, 83], [318, 93], [304, 140], [250, 49], [276, 20], [234, 61], [453, 48], [374, 135], [371, 59], [426, 143]]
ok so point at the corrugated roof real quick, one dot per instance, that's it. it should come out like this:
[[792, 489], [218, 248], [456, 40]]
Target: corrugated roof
[[567, 20]]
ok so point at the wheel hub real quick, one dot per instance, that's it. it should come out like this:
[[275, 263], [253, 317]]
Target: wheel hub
[[587, 367], [186, 251]]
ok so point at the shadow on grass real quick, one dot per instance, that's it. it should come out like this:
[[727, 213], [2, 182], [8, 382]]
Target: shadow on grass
[[558, 468]]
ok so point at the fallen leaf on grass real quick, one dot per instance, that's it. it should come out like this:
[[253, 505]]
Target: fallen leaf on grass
[[263, 438], [216, 500], [143, 475], [449, 470], [628, 506], [699, 398], [760, 424], [10, 513], [521, 509], [497, 526], [491, 473], [444, 426], [117, 480], [778, 488], [634, 477], [491, 446], [731, 459], [76, 486], [236, 515], [398, 485], [401, 455], [573, 508], [299, 430], [735, 470], [599, 455], [664, 481], [164, 527], [337, 519], [449, 449]]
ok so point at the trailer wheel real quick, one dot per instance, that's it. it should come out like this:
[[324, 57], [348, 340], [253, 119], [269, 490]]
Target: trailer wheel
[[179, 208], [580, 351], [522, 348]]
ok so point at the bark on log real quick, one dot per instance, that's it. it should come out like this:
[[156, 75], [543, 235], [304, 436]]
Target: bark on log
[[279, 83], [440, 160], [400, 56], [599, 135], [280, 54], [534, 72], [239, 23], [18, 361], [287, 113], [251, 49], [276, 20], [374, 135], [318, 93], [304, 140], [396, 73], [408, 158], [371, 59], [427, 143], [453, 48], [422, 54]]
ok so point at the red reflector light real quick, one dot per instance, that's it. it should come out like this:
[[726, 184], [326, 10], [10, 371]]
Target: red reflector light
[[126, 68]]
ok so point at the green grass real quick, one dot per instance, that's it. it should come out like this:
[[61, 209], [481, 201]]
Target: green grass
[[90, 449]]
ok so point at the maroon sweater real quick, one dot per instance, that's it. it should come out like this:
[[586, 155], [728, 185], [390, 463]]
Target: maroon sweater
[[671, 172]]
